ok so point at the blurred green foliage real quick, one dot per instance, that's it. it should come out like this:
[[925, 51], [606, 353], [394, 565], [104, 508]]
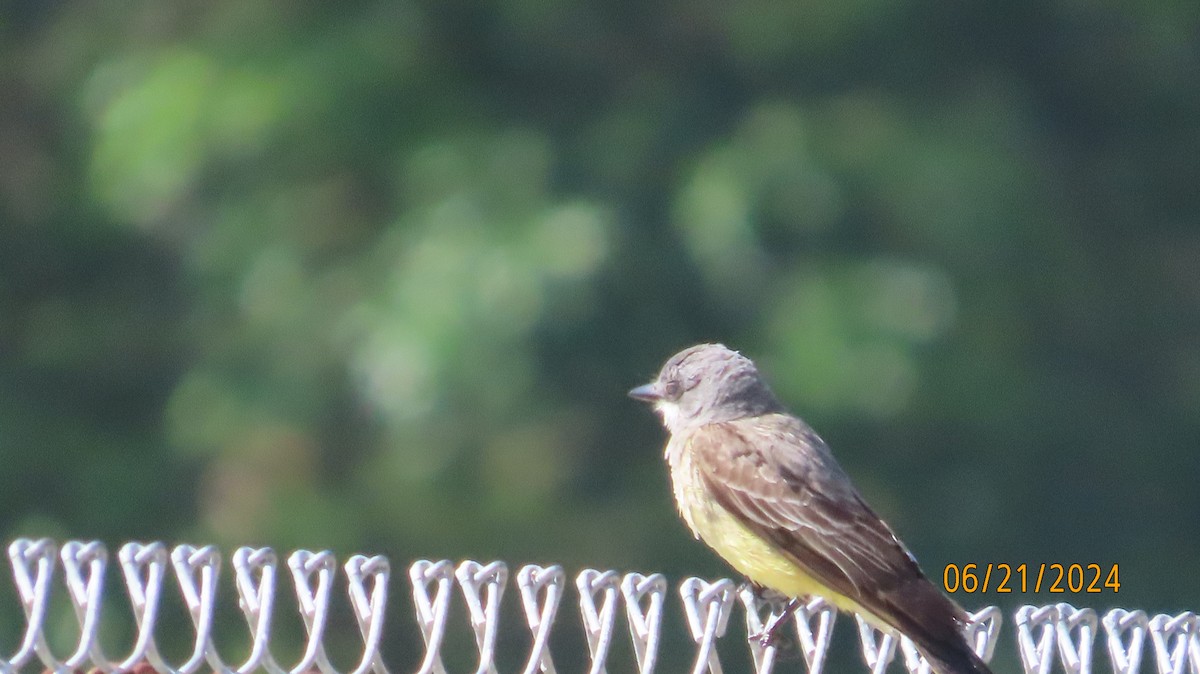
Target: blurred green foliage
[[376, 275]]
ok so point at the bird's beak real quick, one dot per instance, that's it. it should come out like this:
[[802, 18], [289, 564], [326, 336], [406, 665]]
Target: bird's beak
[[648, 393]]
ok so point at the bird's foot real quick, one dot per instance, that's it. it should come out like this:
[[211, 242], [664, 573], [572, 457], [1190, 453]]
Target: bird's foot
[[772, 634]]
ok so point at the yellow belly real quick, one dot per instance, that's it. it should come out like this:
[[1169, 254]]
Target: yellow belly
[[749, 553]]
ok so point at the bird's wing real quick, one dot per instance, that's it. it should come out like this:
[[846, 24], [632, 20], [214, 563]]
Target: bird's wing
[[778, 478]]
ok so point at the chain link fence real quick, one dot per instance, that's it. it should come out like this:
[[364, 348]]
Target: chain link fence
[[1043, 635]]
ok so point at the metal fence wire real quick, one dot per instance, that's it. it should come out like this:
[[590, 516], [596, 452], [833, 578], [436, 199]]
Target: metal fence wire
[[1043, 634]]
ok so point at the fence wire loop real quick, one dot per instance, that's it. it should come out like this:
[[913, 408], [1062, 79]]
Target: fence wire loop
[[878, 647], [254, 574], [483, 587], [1170, 636], [203, 566], [83, 566], [541, 591], [814, 641], [1041, 634], [982, 629], [313, 605], [644, 596], [1126, 632], [432, 611], [757, 622], [369, 606], [914, 660], [34, 591], [707, 607], [1036, 655], [598, 622], [143, 566], [1075, 651]]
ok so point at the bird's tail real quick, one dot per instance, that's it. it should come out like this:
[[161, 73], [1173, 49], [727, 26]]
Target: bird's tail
[[955, 658], [934, 623]]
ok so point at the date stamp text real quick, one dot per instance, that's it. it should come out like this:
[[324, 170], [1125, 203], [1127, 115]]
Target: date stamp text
[[1024, 578]]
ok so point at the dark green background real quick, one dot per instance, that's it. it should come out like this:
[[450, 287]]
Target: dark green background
[[375, 276]]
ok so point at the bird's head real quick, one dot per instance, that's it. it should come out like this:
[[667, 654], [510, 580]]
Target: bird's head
[[705, 384]]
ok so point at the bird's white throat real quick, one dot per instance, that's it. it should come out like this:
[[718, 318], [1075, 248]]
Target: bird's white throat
[[670, 414]]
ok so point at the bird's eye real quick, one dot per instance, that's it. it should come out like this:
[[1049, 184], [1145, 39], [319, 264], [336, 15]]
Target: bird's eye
[[672, 390]]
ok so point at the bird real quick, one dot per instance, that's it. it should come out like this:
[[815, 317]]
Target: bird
[[762, 489]]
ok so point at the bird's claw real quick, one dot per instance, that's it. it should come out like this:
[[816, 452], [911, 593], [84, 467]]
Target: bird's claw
[[770, 635]]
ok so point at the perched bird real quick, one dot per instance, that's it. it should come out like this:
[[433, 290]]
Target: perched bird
[[762, 490]]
